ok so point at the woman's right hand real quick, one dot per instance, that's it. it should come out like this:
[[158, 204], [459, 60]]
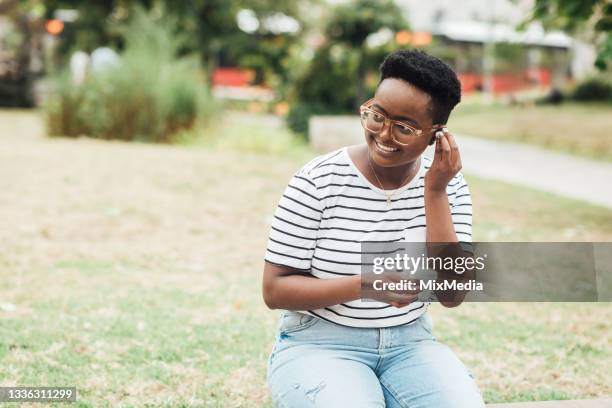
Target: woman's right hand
[[397, 298]]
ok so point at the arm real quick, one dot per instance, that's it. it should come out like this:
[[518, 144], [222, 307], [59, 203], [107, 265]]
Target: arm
[[441, 236], [286, 288], [441, 231], [287, 283], [440, 226]]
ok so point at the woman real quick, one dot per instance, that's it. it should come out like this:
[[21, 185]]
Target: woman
[[333, 349]]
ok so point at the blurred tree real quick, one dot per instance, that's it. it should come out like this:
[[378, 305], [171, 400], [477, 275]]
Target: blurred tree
[[152, 95], [353, 22], [336, 78], [21, 51], [206, 27], [593, 16], [95, 26]]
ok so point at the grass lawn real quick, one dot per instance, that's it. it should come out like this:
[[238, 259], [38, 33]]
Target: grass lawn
[[581, 129], [132, 272]]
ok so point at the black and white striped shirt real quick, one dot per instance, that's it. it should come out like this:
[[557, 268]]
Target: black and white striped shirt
[[329, 208]]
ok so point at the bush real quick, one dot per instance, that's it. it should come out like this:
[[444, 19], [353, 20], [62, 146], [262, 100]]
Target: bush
[[151, 95], [336, 80], [327, 86], [593, 89], [300, 113]]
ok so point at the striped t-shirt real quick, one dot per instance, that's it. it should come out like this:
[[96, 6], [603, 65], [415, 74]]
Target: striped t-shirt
[[329, 207]]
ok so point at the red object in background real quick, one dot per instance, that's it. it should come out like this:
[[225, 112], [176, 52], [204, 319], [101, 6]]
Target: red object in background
[[516, 81], [470, 81], [505, 83], [231, 77], [54, 27], [543, 76]]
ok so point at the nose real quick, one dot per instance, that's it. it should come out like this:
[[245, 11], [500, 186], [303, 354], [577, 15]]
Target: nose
[[385, 134]]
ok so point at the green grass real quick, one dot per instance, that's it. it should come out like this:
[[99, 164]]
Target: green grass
[[135, 274], [503, 212], [580, 129], [250, 133]]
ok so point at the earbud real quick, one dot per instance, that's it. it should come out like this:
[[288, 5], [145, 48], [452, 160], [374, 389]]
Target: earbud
[[439, 134]]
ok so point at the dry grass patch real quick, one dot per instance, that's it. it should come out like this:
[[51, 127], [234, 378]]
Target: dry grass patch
[[581, 129]]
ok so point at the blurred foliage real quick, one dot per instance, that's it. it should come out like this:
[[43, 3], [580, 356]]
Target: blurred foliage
[[596, 88], [96, 25], [205, 28], [354, 21], [21, 52], [150, 95], [591, 16], [336, 77], [351, 24], [267, 55]]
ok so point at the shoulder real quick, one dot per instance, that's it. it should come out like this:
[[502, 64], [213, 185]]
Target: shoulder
[[323, 164], [304, 181], [323, 161]]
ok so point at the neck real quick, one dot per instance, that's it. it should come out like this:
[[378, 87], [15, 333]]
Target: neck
[[394, 177]]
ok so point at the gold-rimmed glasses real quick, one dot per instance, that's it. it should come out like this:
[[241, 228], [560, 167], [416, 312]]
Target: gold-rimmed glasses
[[401, 132]]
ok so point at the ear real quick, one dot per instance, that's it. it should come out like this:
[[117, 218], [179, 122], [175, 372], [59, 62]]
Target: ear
[[437, 129]]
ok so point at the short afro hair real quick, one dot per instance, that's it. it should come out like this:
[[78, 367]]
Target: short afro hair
[[427, 73]]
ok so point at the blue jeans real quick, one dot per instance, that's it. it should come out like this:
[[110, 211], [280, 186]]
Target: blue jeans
[[316, 363]]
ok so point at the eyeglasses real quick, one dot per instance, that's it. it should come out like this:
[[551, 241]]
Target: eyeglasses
[[374, 121]]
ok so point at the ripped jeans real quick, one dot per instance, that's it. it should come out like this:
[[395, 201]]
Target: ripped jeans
[[316, 363]]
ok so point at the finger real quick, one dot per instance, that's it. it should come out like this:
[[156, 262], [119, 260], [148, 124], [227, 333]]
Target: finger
[[401, 278], [439, 155], [402, 298], [438, 152], [446, 150], [402, 303], [451, 140], [454, 147]]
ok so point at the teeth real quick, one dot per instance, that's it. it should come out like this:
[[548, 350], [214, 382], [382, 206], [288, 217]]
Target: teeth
[[386, 148]]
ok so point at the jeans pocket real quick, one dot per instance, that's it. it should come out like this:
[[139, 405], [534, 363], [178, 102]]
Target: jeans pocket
[[292, 322]]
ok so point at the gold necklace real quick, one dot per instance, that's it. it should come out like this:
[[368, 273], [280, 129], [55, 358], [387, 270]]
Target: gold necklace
[[381, 184]]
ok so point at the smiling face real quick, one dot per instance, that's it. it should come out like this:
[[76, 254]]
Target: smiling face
[[406, 103]]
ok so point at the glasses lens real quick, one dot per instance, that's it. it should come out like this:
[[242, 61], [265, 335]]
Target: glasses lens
[[403, 133], [372, 121]]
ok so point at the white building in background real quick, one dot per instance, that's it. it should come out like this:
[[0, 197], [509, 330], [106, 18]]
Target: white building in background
[[483, 21]]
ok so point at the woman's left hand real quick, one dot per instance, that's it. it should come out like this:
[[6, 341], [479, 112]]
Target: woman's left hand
[[446, 164]]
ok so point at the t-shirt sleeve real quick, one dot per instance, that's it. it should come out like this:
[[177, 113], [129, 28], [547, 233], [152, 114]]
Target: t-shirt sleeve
[[293, 233], [461, 211]]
